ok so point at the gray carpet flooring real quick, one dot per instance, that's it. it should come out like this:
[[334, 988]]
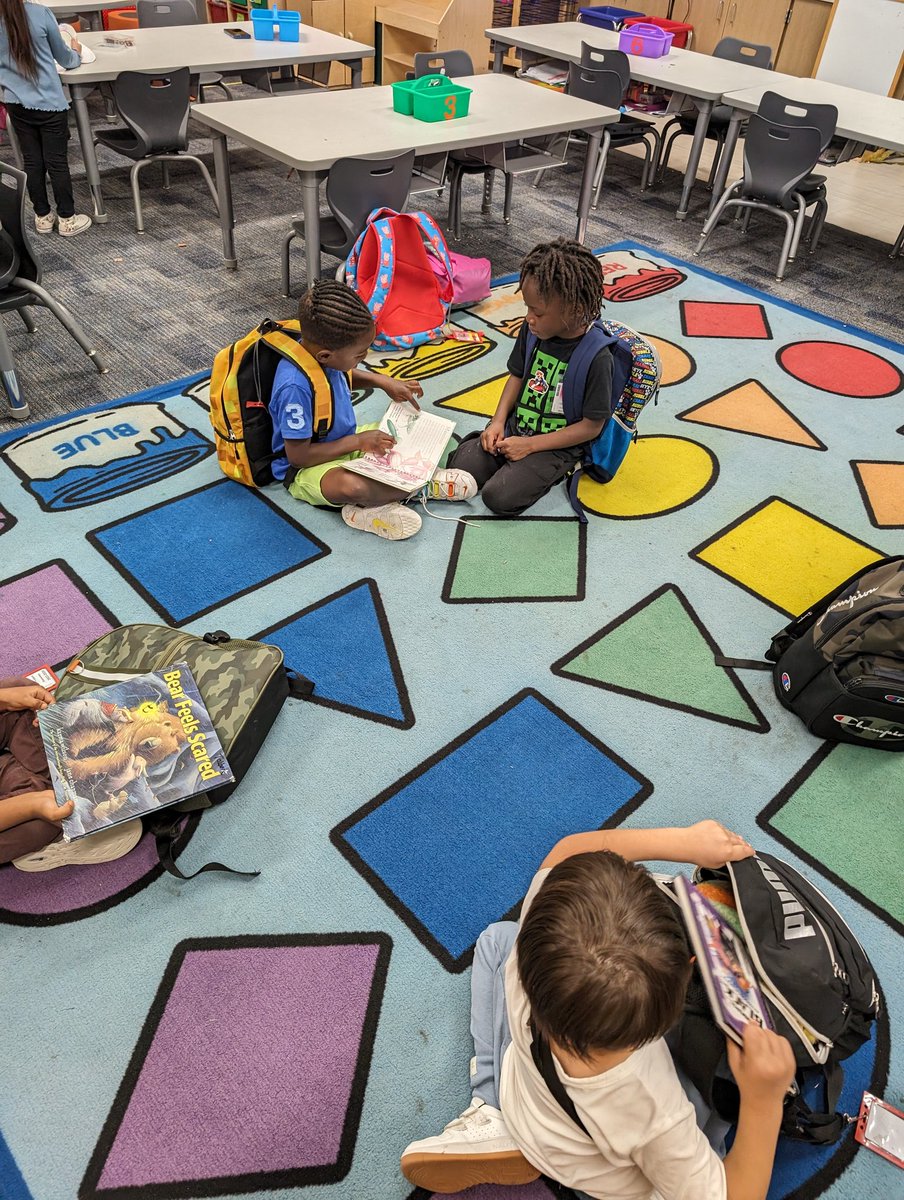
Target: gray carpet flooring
[[159, 305]]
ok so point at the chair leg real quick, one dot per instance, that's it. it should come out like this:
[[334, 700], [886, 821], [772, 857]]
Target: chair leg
[[799, 220], [601, 168], [18, 408], [717, 154], [136, 192], [507, 204], [488, 179], [786, 244], [27, 319], [220, 86], [286, 288], [164, 170], [713, 219], [745, 220], [202, 167], [816, 227], [666, 151], [896, 248], [453, 220], [65, 318]]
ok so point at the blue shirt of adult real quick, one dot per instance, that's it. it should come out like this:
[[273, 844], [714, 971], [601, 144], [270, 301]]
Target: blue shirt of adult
[[44, 92], [292, 410]]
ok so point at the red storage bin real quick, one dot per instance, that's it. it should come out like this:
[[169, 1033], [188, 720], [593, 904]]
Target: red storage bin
[[680, 31]]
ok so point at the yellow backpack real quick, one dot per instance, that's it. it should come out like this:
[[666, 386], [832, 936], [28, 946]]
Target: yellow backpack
[[240, 385]]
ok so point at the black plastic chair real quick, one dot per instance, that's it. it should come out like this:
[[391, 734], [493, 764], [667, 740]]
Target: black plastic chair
[[161, 14], [20, 286], [354, 188], [778, 161], [155, 109], [734, 50]]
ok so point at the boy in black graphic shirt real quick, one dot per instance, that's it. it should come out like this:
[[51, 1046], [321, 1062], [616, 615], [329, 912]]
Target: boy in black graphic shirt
[[529, 445]]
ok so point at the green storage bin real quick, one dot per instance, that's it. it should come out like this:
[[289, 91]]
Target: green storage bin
[[402, 99], [431, 98]]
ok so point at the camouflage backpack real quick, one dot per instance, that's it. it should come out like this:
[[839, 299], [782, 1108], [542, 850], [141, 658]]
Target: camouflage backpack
[[243, 684]]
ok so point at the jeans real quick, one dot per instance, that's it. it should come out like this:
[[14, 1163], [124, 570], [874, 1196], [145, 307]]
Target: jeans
[[508, 488], [44, 137]]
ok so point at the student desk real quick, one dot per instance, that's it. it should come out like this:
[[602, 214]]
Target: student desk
[[89, 9], [700, 77], [201, 48], [311, 131]]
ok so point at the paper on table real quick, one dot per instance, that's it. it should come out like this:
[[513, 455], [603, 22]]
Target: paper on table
[[420, 439]]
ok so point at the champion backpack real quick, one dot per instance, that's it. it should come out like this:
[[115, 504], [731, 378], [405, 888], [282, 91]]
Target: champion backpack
[[636, 370], [840, 665], [240, 385], [390, 268], [243, 685]]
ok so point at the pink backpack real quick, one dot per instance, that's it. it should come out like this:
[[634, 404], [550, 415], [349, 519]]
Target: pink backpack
[[470, 277]]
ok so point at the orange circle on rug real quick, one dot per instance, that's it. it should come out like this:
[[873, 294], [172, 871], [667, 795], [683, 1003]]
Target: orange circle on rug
[[840, 369], [660, 474], [677, 364]]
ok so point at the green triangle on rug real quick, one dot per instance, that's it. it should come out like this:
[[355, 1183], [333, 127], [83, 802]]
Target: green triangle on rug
[[660, 651]]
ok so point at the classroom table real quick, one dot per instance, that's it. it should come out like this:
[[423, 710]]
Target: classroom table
[[201, 48], [90, 10], [700, 77], [311, 131], [864, 118]]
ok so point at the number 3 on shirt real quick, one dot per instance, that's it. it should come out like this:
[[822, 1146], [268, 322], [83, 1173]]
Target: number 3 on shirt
[[294, 416]]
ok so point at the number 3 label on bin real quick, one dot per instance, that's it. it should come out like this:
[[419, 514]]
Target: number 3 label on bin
[[450, 106]]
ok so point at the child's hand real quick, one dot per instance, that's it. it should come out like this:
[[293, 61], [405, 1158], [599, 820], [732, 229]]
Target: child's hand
[[375, 441], [764, 1068], [492, 436], [514, 448], [403, 391], [712, 845], [47, 809], [17, 699]]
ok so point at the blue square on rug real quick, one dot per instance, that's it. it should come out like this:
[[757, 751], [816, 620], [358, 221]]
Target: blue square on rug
[[454, 844], [189, 555]]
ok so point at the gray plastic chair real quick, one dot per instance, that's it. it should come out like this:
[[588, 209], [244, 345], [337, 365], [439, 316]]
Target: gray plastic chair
[[20, 287], [160, 14], [734, 50], [354, 188], [155, 110], [778, 160]]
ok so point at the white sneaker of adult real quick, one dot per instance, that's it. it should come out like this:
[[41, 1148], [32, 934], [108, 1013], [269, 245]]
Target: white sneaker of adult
[[96, 848], [448, 483], [474, 1148], [393, 521], [70, 226]]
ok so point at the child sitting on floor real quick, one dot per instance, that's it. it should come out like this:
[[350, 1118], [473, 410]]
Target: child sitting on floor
[[528, 446], [598, 967], [337, 330]]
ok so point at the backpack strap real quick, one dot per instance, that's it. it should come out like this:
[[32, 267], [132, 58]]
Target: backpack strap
[[289, 348], [436, 246], [542, 1056]]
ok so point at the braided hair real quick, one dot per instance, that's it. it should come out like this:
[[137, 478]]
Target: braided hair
[[332, 316], [566, 269]]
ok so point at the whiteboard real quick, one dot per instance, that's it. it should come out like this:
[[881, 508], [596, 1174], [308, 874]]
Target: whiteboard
[[864, 46]]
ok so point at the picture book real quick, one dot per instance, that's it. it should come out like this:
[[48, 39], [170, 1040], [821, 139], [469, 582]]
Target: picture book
[[724, 965], [420, 439], [130, 748]]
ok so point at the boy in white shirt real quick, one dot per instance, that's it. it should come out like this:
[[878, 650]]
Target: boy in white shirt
[[600, 966]]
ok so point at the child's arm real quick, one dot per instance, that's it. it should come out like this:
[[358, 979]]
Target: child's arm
[[763, 1071], [706, 844], [68, 57], [495, 431], [402, 391], [31, 806], [585, 430], [302, 452], [24, 696]]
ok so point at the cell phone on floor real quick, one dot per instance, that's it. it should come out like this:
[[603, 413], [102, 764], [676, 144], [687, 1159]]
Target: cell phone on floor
[[236, 33]]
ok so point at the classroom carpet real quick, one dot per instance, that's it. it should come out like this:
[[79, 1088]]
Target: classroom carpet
[[481, 690]]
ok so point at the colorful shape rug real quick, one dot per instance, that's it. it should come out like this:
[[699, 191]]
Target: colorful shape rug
[[481, 690]]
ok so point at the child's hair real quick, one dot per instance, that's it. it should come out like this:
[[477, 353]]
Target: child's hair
[[331, 315], [18, 31], [602, 956], [566, 269]]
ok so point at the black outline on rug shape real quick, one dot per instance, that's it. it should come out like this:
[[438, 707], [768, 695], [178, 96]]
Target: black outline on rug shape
[[9, 916], [559, 667], [686, 416], [11, 519], [687, 354], [391, 653], [466, 352], [664, 512], [460, 530], [864, 495], [444, 403], [92, 537], [694, 553], [831, 391], [557, 1191], [337, 834], [221, 1185], [80, 586], [764, 819], [728, 337]]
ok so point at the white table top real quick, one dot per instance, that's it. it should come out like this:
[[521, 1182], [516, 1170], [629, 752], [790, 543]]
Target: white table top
[[82, 6], [862, 116], [310, 131], [207, 48], [683, 71]]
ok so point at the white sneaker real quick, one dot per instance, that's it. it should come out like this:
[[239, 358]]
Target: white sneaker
[[96, 848], [393, 521], [45, 224], [70, 226], [474, 1148], [450, 484]]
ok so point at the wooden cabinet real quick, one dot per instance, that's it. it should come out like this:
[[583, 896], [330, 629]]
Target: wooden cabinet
[[803, 37], [347, 18], [410, 27], [760, 21]]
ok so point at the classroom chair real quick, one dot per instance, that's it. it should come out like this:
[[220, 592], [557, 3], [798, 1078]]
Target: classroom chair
[[155, 109], [354, 188], [20, 287], [733, 50], [162, 14]]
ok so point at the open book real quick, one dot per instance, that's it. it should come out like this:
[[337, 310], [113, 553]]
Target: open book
[[420, 439]]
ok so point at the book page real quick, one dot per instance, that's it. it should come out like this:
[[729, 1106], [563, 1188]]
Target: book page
[[420, 439]]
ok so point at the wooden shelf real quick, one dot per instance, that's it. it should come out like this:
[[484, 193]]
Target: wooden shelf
[[411, 27]]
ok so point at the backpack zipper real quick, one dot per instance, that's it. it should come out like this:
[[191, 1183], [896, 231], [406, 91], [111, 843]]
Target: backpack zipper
[[168, 659]]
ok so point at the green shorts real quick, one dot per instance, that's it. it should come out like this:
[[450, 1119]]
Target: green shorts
[[306, 484]]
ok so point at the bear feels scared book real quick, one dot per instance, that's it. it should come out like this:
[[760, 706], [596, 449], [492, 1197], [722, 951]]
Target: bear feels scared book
[[130, 748]]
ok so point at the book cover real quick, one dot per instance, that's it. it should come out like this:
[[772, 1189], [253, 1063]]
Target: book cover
[[724, 965], [130, 748], [420, 439]]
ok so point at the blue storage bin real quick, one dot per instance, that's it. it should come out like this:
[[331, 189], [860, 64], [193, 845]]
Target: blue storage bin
[[605, 17], [266, 21]]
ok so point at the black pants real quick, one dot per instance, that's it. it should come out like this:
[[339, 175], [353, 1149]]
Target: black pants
[[44, 138], [508, 488]]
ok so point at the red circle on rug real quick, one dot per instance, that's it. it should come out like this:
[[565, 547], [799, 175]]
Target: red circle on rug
[[841, 370]]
